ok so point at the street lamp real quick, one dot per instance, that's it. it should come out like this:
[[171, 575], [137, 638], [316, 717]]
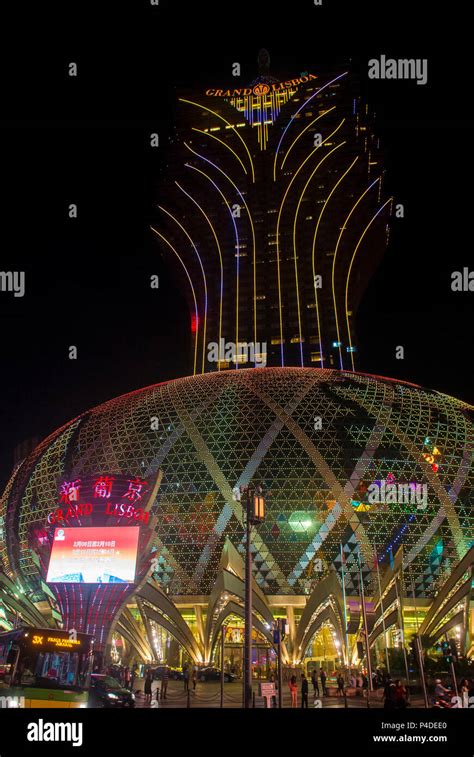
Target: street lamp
[[255, 511]]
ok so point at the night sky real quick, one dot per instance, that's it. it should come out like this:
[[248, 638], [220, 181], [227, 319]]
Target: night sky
[[86, 141]]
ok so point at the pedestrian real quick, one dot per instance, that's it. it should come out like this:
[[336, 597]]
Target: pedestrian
[[314, 681], [400, 695], [340, 685], [389, 694], [147, 687], [194, 678], [164, 681], [186, 677], [323, 677], [293, 691], [464, 692], [133, 675], [441, 692], [304, 691]]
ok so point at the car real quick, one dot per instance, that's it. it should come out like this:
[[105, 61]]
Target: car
[[173, 673], [106, 691], [214, 674]]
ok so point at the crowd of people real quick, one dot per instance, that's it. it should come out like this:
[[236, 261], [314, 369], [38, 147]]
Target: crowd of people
[[395, 692]]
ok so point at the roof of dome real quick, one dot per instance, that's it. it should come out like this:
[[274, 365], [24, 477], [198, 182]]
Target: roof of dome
[[310, 436]]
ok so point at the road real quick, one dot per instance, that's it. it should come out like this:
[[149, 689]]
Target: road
[[208, 695]]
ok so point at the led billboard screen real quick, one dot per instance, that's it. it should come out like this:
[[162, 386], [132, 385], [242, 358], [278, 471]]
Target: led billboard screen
[[93, 555]]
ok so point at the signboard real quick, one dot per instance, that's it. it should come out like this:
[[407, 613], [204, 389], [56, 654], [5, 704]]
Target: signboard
[[97, 555], [267, 691], [235, 635], [117, 496], [261, 88], [55, 641]]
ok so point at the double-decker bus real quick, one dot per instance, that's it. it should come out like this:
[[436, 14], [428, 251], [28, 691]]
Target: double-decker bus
[[44, 667]]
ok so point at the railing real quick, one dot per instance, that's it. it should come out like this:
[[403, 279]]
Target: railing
[[201, 698]]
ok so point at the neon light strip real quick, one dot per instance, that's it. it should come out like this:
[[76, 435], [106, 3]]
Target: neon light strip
[[314, 253], [350, 268], [301, 134], [334, 262], [203, 276], [188, 165], [220, 260], [294, 114], [278, 235], [238, 256], [208, 134], [203, 107], [294, 242], [192, 289]]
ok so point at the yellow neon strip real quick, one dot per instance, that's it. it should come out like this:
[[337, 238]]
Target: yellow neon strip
[[192, 289], [253, 246], [313, 254], [278, 229], [208, 134], [390, 200], [220, 259], [294, 238], [203, 276], [203, 107], [334, 261], [297, 138]]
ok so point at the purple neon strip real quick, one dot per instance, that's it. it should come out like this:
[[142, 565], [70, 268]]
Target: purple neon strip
[[373, 219], [222, 275], [238, 245], [304, 105], [232, 217]]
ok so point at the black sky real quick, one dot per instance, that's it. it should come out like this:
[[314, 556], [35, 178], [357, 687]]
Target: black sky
[[85, 141]]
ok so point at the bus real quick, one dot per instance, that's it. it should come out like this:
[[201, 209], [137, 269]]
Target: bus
[[44, 667]]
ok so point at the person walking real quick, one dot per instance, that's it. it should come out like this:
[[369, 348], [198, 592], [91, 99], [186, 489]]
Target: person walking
[[147, 687], [165, 676], [293, 691], [464, 692], [400, 695], [323, 678], [389, 694], [340, 685], [133, 675], [186, 677], [314, 681], [194, 677], [304, 691]]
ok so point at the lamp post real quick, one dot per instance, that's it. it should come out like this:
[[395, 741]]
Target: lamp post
[[279, 632], [255, 510]]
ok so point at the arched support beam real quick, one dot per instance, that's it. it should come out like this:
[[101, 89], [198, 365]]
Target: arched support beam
[[233, 608], [324, 616], [231, 584], [151, 595], [191, 649], [327, 589]]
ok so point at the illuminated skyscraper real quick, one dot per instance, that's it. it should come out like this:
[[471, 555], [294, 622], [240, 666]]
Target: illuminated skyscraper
[[274, 216]]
